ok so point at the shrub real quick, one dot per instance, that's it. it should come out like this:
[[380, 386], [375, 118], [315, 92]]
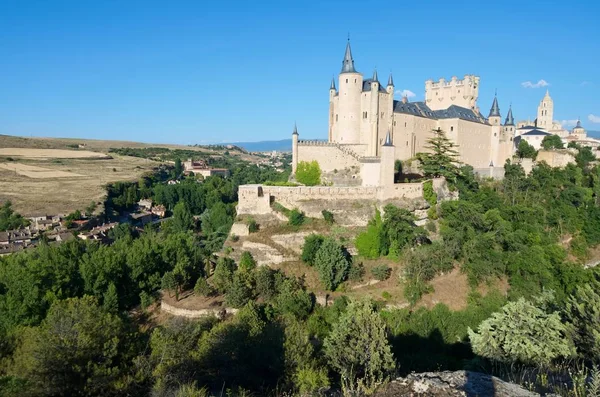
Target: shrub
[[333, 263], [308, 173], [293, 299], [312, 243], [145, 299], [296, 217], [356, 272], [428, 193], [386, 295], [202, 287], [252, 225], [247, 262], [431, 227], [368, 243], [328, 216], [281, 209], [235, 238], [381, 272]]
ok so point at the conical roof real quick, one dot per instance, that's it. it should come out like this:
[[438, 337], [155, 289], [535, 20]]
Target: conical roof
[[388, 139], [348, 62], [495, 110], [509, 117]]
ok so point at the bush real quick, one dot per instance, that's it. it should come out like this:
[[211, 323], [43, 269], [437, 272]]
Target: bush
[[252, 225], [296, 217], [381, 272], [386, 295], [247, 262], [368, 243], [235, 238], [281, 209], [333, 263], [223, 274], [312, 243], [328, 216], [146, 299], [308, 173], [356, 272], [429, 194], [202, 287]]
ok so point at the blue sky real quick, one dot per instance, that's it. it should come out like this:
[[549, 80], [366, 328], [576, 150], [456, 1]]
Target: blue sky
[[198, 71]]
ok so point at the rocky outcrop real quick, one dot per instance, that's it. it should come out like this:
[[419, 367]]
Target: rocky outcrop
[[451, 384]]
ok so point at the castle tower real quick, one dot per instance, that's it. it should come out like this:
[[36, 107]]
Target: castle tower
[[332, 94], [387, 160], [347, 119], [373, 116], [545, 112], [506, 139], [294, 149], [494, 116]]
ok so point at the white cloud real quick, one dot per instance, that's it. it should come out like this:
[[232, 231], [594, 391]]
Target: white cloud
[[540, 83], [406, 93], [594, 119], [569, 123]]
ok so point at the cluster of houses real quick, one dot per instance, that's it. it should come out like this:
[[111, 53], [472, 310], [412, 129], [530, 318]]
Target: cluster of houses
[[57, 229]]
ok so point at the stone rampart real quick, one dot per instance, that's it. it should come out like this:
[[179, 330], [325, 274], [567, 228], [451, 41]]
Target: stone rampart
[[330, 156], [256, 199], [198, 313]]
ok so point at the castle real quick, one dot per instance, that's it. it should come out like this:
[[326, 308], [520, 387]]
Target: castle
[[369, 130]]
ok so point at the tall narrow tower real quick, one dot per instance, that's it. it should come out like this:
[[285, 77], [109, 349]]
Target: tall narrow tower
[[545, 112], [494, 117], [347, 129], [294, 149]]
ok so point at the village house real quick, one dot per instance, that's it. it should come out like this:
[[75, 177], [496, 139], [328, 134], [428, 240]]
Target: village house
[[141, 218], [159, 210], [200, 167], [98, 233]]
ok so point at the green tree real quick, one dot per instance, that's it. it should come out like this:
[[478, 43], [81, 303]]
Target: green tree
[[552, 142], [328, 217], [381, 272], [10, 219], [523, 332], [308, 173], [525, 150], [398, 230], [182, 218], [111, 299], [312, 243], [247, 262], [223, 276], [358, 349], [441, 158], [202, 287], [178, 170], [264, 278], [333, 263], [74, 352], [582, 311], [240, 291]]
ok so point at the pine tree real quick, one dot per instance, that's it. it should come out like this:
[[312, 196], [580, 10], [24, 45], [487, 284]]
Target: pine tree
[[442, 158]]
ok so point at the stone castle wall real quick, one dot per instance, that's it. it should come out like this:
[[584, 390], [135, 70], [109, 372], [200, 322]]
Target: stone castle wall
[[330, 156], [257, 199]]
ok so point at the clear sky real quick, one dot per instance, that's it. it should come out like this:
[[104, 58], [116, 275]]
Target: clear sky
[[212, 71]]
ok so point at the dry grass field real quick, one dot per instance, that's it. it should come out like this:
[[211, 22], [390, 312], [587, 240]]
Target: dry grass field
[[60, 186], [28, 153]]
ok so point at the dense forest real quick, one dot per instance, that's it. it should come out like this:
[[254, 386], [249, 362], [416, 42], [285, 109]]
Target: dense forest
[[75, 318]]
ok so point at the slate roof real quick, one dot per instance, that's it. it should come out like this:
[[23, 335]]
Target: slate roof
[[536, 132], [367, 86], [453, 112]]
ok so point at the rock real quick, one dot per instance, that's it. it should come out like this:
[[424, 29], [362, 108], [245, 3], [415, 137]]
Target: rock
[[292, 241], [239, 229], [265, 254], [450, 384]]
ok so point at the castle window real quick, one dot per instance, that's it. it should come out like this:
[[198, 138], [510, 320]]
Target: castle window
[[451, 128], [405, 124], [346, 80], [336, 118], [406, 143], [494, 134], [355, 80]]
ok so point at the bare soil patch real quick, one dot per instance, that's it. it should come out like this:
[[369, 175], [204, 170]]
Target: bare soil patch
[[50, 153]]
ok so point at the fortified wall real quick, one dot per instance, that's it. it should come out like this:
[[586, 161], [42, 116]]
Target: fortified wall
[[330, 156], [352, 205]]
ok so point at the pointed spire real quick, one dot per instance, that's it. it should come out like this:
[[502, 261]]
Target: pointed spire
[[390, 80], [348, 62], [388, 139], [332, 87], [295, 129], [509, 117], [495, 110], [375, 78], [578, 123]]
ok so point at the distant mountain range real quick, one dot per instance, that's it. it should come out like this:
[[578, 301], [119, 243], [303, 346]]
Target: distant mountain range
[[285, 145]]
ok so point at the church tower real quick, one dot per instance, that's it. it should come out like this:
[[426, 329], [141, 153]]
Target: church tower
[[347, 120], [545, 113]]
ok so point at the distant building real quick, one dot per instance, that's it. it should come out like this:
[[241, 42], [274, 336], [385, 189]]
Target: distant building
[[141, 218], [159, 210], [533, 137], [145, 203], [200, 167]]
